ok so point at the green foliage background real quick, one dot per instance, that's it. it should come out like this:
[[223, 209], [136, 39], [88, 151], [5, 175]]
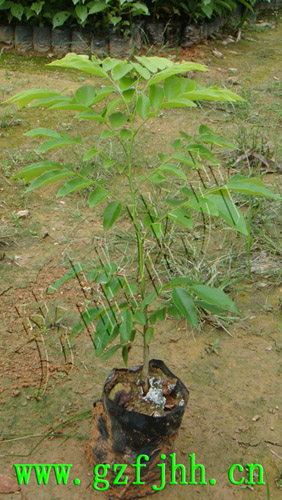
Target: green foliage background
[[107, 13]]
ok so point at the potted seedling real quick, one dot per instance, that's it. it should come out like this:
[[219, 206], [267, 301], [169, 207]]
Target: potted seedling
[[141, 409]]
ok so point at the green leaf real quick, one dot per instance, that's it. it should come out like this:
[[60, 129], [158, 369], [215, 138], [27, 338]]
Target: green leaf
[[88, 316], [111, 106], [109, 63], [125, 355], [140, 8], [17, 10], [90, 153], [70, 106], [173, 170], [208, 307], [153, 318], [97, 196], [143, 72], [85, 95], [149, 335], [215, 140], [42, 132], [173, 311], [92, 275], [181, 280], [55, 143], [91, 115], [82, 63], [157, 178], [172, 87], [185, 305], [182, 216], [212, 94], [202, 152], [139, 317], [203, 204], [77, 269], [37, 7], [110, 267], [176, 144], [156, 96], [117, 119], [129, 94], [126, 82], [50, 101], [31, 171], [229, 212], [159, 62], [108, 163], [131, 288], [175, 69], [108, 133], [251, 185], [187, 160], [81, 12], [125, 134], [96, 6], [147, 62], [102, 278], [161, 313], [179, 102], [215, 296], [102, 94], [49, 178], [113, 286], [60, 18], [26, 96], [155, 227], [148, 299], [126, 326], [121, 70], [142, 106], [111, 351], [111, 213], [73, 185], [103, 332]]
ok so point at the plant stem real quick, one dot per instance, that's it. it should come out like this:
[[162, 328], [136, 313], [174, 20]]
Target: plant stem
[[140, 244], [145, 370]]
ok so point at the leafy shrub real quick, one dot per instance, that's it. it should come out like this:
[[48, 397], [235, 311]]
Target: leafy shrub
[[122, 305], [116, 13]]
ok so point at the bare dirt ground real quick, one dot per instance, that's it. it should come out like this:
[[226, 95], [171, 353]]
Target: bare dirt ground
[[234, 415]]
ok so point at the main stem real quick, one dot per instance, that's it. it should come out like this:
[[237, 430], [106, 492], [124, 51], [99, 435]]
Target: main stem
[[140, 244]]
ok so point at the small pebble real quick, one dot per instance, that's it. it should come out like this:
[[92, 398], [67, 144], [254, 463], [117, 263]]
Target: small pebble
[[256, 418]]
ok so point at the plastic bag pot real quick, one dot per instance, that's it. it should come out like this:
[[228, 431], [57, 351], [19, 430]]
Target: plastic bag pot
[[119, 436], [42, 40], [23, 38]]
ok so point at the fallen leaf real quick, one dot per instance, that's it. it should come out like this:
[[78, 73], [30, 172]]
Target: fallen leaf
[[8, 485], [23, 213]]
